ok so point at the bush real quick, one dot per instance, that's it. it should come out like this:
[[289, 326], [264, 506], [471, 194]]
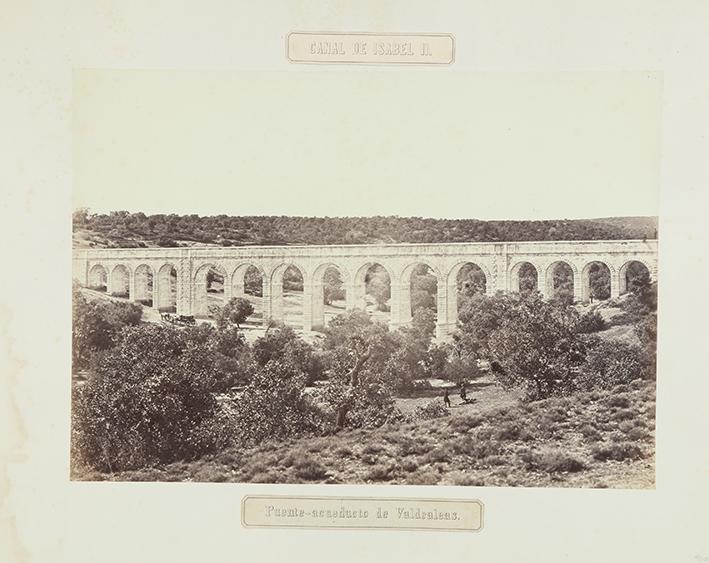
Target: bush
[[537, 346], [554, 461], [609, 364], [96, 326], [617, 451], [430, 410], [284, 343], [275, 405], [147, 401], [309, 470], [591, 322]]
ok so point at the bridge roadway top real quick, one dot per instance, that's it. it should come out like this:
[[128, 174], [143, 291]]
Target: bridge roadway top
[[395, 249]]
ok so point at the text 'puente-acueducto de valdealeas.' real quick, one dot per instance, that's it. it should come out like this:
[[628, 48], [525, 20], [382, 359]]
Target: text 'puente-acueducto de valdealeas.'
[[178, 276]]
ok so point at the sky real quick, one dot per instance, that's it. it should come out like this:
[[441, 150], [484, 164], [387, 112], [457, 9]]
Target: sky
[[431, 143]]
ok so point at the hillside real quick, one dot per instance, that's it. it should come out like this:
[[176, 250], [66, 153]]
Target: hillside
[[124, 229], [591, 439]]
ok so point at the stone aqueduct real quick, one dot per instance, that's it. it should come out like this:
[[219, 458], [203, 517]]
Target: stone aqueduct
[[125, 271]]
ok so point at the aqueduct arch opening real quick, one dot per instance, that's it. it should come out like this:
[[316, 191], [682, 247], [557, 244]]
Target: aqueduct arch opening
[[329, 294], [249, 281], [120, 281], [596, 281], [166, 288], [373, 291], [208, 289], [524, 278], [287, 295], [465, 281], [98, 278], [633, 274], [419, 289], [144, 281], [560, 281]]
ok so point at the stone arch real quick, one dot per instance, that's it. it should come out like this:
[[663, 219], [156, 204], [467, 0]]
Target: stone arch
[[98, 278], [207, 288], [166, 288], [144, 284], [520, 268], [629, 268], [453, 283], [561, 280], [363, 278], [120, 281], [248, 280], [408, 298], [327, 292], [239, 283], [287, 303], [596, 280]]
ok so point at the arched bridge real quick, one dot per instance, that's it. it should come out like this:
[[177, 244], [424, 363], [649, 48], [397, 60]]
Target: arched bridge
[[179, 277]]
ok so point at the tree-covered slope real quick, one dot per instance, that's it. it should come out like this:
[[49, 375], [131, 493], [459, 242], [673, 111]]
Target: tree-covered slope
[[124, 229]]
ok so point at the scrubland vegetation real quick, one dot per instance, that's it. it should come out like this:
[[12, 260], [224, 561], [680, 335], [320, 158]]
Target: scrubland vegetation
[[568, 398], [125, 229]]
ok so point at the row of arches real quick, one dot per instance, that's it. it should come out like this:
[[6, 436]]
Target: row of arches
[[332, 289]]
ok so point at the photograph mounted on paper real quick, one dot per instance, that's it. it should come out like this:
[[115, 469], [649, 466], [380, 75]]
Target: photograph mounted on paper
[[275, 286]]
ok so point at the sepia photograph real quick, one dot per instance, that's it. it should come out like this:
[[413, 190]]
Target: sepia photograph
[[388, 281], [325, 334]]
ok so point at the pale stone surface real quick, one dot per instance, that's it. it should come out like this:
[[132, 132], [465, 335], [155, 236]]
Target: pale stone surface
[[124, 270]]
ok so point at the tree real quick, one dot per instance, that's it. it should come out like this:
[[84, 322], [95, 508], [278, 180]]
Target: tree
[[96, 326], [610, 363], [359, 351], [146, 401], [235, 312], [284, 343], [537, 347], [276, 405], [480, 316]]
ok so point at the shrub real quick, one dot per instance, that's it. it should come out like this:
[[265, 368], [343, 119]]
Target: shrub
[[309, 470], [638, 434], [283, 342], [591, 322], [511, 431], [149, 400], [554, 461], [96, 326], [620, 401], [275, 405], [423, 477], [430, 410], [617, 451], [537, 346], [380, 473], [624, 414], [590, 432], [609, 364]]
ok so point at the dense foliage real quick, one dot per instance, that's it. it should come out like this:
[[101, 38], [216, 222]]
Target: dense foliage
[[158, 393], [148, 400], [96, 326], [122, 228]]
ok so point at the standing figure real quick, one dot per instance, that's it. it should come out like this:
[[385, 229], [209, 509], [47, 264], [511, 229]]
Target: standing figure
[[446, 399], [463, 394]]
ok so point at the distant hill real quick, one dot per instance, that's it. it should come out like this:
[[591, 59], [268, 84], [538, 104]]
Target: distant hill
[[124, 229]]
